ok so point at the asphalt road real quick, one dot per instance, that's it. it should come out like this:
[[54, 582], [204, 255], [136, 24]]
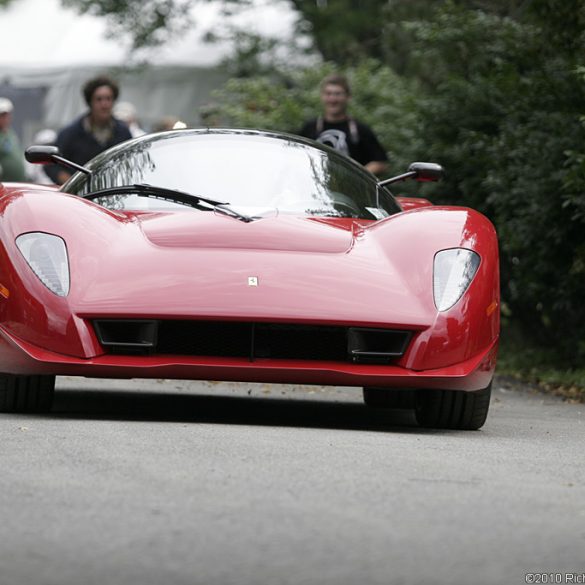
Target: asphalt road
[[166, 482]]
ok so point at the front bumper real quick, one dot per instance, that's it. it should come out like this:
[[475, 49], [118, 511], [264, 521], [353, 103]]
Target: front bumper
[[22, 358]]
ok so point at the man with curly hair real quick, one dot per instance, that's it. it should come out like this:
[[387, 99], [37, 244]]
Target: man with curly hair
[[94, 131]]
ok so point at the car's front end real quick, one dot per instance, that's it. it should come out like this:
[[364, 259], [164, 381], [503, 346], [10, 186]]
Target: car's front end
[[330, 284]]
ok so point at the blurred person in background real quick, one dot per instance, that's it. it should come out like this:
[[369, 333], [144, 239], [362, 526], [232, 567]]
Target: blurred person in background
[[126, 112], [94, 131], [336, 128], [36, 173], [11, 155], [168, 123]]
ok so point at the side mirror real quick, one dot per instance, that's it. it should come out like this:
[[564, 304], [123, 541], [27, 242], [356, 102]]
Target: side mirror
[[420, 171], [426, 171], [41, 155], [44, 155]]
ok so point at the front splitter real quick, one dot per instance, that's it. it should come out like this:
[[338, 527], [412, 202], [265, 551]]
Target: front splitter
[[22, 358]]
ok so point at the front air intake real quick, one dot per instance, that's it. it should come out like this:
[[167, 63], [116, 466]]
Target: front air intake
[[253, 341], [376, 345], [127, 336]]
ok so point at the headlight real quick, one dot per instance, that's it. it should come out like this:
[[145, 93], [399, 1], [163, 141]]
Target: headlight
[[47, 256], [453, 272]]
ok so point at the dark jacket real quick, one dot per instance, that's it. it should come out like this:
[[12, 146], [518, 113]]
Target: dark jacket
[[80, 146]]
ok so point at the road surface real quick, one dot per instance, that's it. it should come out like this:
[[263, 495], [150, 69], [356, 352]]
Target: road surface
[[170, 482]]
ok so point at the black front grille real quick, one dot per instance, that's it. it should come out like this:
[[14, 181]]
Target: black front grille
[[252, 340]]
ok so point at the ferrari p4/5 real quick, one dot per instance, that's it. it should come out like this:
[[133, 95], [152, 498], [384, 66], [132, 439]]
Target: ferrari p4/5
[[248, 256]]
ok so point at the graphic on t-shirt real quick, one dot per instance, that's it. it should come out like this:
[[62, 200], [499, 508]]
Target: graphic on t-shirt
[[335, 139]]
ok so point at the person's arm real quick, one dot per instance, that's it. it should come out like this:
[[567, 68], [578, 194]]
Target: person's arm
[[373, 151], [62, 177], [377, 167], [57, 174]]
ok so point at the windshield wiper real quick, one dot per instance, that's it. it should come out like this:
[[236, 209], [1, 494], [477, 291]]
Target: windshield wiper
[[172, 195]]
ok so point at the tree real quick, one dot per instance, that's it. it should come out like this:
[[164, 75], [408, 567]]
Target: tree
[[148, 22], [341, 31]]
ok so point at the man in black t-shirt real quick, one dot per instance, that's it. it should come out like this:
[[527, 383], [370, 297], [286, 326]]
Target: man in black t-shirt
[[338, 129]]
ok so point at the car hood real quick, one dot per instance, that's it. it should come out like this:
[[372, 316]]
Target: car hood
[[212, 230], [283, 268]]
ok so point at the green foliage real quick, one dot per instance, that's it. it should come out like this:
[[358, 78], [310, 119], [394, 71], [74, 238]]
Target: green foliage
[[343, 31], [564, 23], [149, 22], [252, 56]]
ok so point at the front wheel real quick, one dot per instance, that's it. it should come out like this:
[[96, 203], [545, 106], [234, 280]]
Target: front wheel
[[452, 409], [388, 398], [26, 393]]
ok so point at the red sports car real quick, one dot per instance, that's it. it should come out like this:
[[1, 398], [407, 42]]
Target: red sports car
[[247, 256]]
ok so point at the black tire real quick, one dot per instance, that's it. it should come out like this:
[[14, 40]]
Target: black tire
[[452, 409], [388, 398], [26, 393]]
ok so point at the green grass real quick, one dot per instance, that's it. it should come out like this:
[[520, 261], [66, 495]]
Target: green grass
[[530, 363]]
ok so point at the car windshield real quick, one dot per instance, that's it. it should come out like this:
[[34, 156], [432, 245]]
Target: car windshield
[[251, 171]]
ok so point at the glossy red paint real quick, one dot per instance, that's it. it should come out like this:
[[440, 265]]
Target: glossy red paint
[[196, 265], [408, 203]]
